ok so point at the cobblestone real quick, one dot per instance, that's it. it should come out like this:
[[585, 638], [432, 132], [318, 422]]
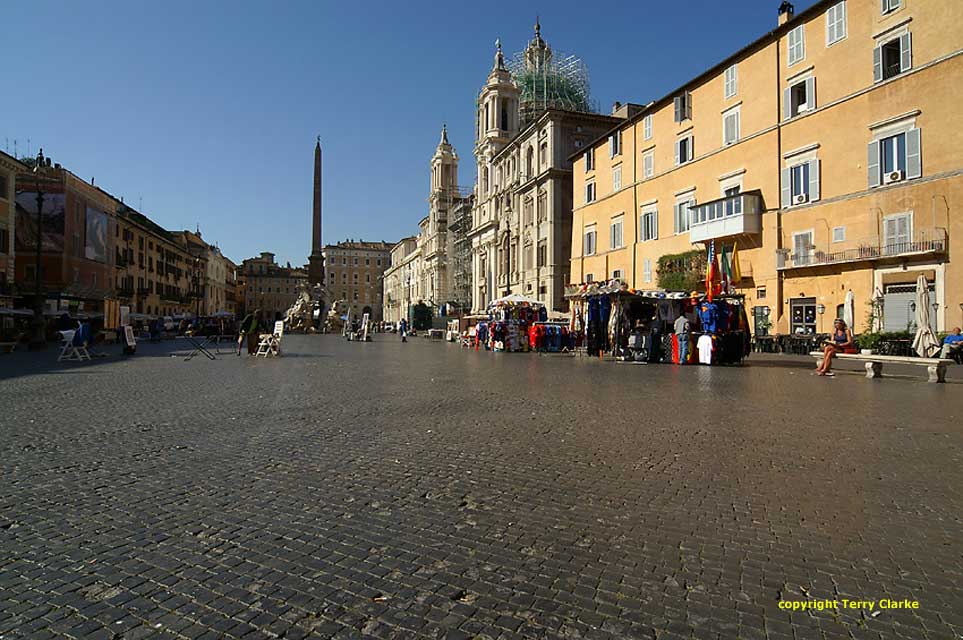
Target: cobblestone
[[384, 490]]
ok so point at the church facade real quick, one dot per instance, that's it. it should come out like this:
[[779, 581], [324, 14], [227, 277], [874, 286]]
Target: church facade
[[528, 123]]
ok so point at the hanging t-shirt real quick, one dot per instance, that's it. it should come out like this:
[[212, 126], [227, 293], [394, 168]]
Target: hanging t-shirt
[[705, 349]]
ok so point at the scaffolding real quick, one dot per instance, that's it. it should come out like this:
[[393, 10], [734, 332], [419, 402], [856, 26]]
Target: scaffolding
[[550, 79]]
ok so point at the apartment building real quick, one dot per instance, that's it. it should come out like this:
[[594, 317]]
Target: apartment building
[[826, 151], [154, 271], [403, 282], [9, 167], [269, 287], [77, 229], [354, 271]]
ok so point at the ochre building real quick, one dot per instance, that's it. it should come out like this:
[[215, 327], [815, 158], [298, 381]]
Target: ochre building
[[827, 151]]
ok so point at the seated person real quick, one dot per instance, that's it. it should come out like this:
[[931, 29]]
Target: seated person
[[952, 344], [841, 341]]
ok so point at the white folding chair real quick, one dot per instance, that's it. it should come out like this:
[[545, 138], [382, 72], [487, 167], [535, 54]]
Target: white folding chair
[[69, 351], [270, 343]]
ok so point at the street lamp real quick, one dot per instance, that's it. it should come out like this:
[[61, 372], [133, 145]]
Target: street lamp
[[197, 287], [39, 339]]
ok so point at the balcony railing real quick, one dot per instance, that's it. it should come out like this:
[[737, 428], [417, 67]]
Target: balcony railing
[[730, 216], [125, 292], [924, 241]]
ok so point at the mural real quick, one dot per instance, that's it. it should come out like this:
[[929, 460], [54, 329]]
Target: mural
[[53, 222], [95, 246]]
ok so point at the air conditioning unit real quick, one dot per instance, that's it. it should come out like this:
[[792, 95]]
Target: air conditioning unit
[[800, 198], [893, 176]]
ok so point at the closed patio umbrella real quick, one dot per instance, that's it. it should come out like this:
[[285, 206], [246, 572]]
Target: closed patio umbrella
[[925, 343], [849, 309]]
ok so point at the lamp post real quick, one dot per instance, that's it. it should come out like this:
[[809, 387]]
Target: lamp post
[[38, 339], [197, 287]]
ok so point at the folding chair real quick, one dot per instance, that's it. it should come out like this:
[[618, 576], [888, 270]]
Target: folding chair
[[74, 345], [270, 343]]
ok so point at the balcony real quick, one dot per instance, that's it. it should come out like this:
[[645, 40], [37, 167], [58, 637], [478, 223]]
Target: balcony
[[730, 216], [925, 241], [125, 292]]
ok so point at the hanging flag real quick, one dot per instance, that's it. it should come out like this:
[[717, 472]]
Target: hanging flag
[[736, 271], [724, 269], [710, 269]]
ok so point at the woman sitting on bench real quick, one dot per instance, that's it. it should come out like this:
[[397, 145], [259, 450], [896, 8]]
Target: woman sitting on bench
[[842, 342]]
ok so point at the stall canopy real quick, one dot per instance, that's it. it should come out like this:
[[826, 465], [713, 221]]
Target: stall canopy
[[515, 298], [20, 313]]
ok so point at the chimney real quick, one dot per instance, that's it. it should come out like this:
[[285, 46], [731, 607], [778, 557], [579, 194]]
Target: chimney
[[786, 11]]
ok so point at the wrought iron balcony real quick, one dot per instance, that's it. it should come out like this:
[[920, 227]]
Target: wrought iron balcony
[[729, 216], [925, 241]]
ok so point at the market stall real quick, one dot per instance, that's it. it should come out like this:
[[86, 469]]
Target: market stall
[[659, 326], [509, 319]]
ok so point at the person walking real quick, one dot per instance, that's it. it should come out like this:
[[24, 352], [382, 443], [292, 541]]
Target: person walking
[[249, 327], [403, 330]]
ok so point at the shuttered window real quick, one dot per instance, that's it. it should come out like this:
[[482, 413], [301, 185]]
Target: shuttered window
[[647, 127], [800, 183], [648, 165], [730, 127], [731, 81], [615, 233], [835, 23], [589, 192], [796, 45], [893, 57], [799, 98], [885, 6], [681, 215], [617, 178], [649, 225], [895, 158], [684, 150], [683, 107], [588, 248], [647, 270]]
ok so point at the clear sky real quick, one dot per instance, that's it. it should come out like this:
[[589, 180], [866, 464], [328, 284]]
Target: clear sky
[[207, 112]]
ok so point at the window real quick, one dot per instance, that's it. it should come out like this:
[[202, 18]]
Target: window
[[836, 23], [802, 247], [796, 45], [897, 233], [799, 98], [647, 270], [681, 215], [649, 225], [893, 58], [800, 183], [761, 293], [3, 187], [894, 158], [615, 233], [730, 126], [617, 178], [589, 160], [588, 248], [889, 5], [615, 144], [683, 107], [589, 277], [647, 127], [684, 150], [589, 192], [731, 81], [839, 235], [542, 253], [648, 165], [4, 244]]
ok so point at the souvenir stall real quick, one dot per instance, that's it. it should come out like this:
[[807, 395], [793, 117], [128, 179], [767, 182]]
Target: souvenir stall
[[509, 321], [659, 326]]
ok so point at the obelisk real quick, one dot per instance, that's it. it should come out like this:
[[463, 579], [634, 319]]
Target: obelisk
[[316, 259]]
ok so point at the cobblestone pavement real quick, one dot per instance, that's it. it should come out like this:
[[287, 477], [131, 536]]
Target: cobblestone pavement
[[422, 491]]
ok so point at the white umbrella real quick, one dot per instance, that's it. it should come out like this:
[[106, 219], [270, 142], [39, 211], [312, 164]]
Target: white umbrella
[[925, 342], [849, 309]]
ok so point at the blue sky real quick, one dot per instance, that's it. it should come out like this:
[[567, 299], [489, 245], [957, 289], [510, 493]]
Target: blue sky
[[208, 111]]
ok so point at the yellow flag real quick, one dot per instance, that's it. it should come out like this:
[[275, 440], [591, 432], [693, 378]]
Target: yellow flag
[[736, 271]]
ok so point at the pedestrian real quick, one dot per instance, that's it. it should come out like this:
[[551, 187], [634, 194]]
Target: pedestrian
[[403, 330], [249, 326], [841, 342]]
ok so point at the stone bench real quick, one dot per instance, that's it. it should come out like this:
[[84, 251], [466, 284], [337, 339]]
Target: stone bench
[[936, 367]]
